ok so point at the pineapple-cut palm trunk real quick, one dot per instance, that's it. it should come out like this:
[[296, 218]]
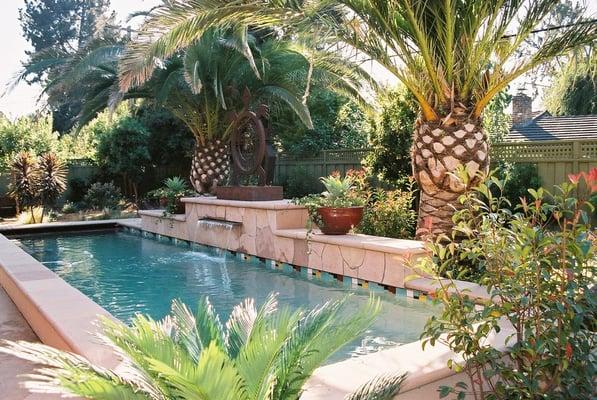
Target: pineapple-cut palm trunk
[[210, 166], [436, 154]]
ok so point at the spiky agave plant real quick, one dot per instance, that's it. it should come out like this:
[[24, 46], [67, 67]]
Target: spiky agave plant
[[266, 353], [25, 179], [52, 179], [454, 56]]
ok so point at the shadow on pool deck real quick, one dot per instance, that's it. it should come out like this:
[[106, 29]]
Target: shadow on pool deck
[[14, 327]]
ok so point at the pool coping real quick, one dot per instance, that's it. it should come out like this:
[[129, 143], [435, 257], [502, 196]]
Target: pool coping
[[71, 226], [41, 296]]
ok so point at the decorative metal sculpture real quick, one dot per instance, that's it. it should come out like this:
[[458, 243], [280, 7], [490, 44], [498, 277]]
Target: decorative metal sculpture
[[248, 143]]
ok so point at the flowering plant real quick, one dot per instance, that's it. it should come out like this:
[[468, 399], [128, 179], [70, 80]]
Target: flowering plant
[[538, 264]]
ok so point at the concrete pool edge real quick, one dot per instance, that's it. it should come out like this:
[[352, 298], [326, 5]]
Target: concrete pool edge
[[62, 317]]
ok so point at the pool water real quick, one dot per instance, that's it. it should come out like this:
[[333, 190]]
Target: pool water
[[127, 274]]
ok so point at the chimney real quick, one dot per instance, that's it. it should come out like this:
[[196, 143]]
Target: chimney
[[522, 108]]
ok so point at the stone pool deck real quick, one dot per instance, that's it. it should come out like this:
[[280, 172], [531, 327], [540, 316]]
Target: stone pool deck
[[14, 327]]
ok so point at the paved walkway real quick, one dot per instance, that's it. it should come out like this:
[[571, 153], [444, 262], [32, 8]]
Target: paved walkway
[[13, 327]]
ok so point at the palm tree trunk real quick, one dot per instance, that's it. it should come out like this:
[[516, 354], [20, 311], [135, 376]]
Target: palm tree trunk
[[436, 154], [210, 165]]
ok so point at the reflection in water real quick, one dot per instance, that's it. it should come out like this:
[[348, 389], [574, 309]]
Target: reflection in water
[[127, 274]]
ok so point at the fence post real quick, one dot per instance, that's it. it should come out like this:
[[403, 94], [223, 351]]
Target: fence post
[[325, 163], [576, 155]]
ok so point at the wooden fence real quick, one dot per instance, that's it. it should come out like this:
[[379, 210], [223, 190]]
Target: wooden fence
[[322, 164], [555, 160]]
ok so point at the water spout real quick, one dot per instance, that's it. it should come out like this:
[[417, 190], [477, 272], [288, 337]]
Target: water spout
[[210, 231]]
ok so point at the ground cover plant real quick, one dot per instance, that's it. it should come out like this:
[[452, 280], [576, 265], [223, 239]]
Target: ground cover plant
[[265, 353], [539, 264]]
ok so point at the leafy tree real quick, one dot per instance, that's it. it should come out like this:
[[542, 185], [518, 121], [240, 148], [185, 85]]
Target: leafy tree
[[60, 25], [170, 140], [29, 133], [563, 13], [337, 123], [496, 119], [57, 29], [574, 91], [123, 151], [453, 56], [391, 135], [259, 354]]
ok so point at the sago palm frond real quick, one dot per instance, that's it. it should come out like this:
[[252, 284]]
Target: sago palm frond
[[264, 354]]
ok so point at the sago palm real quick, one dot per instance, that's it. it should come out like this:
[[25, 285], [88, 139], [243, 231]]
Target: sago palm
[[452, 55], [259, 354]]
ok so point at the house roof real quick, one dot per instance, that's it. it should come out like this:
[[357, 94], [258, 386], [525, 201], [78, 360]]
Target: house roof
[[547, 127]]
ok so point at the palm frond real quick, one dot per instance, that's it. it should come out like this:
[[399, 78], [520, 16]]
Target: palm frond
[[384, 387], [299, 108]]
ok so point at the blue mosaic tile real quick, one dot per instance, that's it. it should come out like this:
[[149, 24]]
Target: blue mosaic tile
[[288, 268], [347, 281], [327, 277], [376, 288]]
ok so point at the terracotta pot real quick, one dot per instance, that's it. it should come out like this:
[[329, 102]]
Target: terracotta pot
[[338, 221]]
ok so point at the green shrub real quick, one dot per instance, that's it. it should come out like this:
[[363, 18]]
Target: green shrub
[[123, 152], [299, 182], [518, 178], [103, 196], [25, 179], [69, 208], [32, 134], [390, 214], [52, 179], [391, 136], [77, 188], [539, 266]]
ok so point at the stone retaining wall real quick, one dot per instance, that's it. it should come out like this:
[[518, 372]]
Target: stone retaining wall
[[275, 230]]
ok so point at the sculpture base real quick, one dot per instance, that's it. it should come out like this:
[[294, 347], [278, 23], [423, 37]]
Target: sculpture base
[[250, 193]]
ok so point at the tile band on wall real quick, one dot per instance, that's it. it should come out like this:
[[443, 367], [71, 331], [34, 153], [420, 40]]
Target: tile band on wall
[[307, 272]]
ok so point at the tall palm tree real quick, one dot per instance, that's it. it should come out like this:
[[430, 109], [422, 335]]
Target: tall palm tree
[[259, 354], [452, 55]]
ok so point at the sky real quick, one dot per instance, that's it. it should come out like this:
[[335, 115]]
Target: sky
[[23, 99]]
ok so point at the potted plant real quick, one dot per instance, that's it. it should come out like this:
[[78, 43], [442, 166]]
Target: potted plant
[[170, 194], [340, 207]]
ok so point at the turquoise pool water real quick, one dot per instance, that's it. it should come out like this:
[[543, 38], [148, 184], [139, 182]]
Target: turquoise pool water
[[127, 274]]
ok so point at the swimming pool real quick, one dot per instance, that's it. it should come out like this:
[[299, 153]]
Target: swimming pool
[[127, 273]]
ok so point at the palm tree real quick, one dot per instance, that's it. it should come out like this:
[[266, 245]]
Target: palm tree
[[201, 86], [454, 56], [258, 354]]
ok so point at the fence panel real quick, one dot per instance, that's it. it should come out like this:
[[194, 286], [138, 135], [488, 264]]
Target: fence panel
[[555, 160], [322, 164]]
